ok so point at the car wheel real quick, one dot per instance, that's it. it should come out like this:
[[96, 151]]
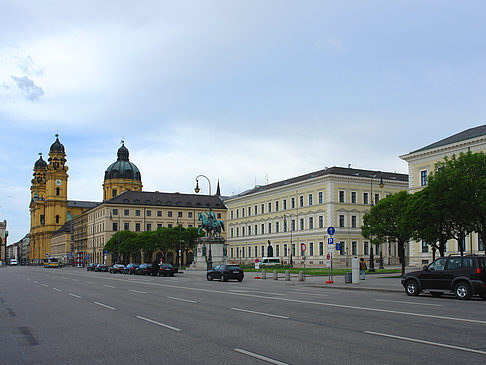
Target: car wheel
[[209, 277], [462, 290], [436, 294], [172, 275], [224, 278], [483, 296], [412, 288], [240, 280]]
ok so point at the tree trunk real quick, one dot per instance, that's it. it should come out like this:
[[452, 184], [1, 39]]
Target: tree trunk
[[401, 255]]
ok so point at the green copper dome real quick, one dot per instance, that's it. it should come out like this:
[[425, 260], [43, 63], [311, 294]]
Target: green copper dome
[[122, 167]]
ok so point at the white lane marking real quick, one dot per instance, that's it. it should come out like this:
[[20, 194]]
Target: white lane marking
[[260, 357], [57, 289], [74, 295], [29, 280], [63, 277], [402, 302], [334, 305], [110, 286], [104, 305], [183, 300], [89, 282], [309, 293], [35, 281], [427, 342], [327, 292], [260, 313], [253, 291], [44, 285], [74, 279], [138, 291], [160, 324]]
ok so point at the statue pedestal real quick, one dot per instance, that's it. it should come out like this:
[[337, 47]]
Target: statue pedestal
[[209, 249]]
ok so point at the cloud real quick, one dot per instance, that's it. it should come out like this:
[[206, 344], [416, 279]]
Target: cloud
[[31, 91], [27, 66]]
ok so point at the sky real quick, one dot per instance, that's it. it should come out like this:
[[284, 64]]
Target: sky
[[247, 92]]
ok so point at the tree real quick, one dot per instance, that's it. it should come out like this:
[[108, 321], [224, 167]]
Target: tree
[[388, 219], [453, 190], [120, 242], [429, 222]]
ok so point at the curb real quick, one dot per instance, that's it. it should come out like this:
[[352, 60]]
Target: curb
[[385, 290]]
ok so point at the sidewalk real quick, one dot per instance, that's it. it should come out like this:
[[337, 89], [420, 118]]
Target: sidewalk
[[388, 282]]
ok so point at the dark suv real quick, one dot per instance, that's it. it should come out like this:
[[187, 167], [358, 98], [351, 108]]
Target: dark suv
[[462, 275]]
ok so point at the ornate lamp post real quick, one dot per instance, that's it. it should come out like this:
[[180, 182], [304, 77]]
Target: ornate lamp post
[[290, 228], [372, 258], [209, 258]]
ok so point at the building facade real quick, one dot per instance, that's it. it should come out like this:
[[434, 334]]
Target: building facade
[[421, 163], [3, 242], [49, 206], [280, 219]]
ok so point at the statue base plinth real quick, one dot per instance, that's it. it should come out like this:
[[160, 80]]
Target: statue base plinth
[[209, 249]]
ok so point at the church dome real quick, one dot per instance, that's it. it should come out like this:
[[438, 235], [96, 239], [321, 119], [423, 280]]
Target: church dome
[[40, 163], [122, 167], [57, 146]]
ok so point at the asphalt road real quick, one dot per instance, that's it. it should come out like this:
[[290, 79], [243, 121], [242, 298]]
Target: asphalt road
[[70, 316]]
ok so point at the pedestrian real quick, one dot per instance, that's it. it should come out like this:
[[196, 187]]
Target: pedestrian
[[362, 267], [155, 268]]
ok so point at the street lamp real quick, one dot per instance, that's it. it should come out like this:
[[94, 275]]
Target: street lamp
[[179, 262], [209, 258], [372, 258]]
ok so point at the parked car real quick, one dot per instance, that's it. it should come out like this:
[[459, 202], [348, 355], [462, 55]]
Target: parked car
[[225, 272], [13, 262], [462, 275], [130, 268], [144, 269], [167, 270], [117, 268], [101, 267], [91, 267]]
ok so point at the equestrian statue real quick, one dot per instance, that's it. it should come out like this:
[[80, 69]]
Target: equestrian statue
[[210, 224]]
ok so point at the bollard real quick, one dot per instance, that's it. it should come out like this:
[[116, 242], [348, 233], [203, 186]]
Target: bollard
[[301, 276], [264, 274], [287, 275], [355, 270], [275, 275]]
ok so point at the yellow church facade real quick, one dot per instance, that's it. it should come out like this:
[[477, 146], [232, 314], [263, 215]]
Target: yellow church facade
[[289, 219], [421, 163]]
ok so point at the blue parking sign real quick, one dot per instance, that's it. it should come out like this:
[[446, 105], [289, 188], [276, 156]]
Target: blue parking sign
[[338, 246]]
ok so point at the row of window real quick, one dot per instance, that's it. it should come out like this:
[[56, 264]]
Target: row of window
[[241, 212], [480, 246], [148, 213], [148, 226], [275, 228], [256, 251]]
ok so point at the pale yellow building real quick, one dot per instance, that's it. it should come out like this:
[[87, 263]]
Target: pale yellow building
[[421, 164], [278, 218]]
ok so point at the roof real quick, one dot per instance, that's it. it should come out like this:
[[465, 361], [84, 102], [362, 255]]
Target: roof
[[81, 204], [157, 198], [342, 171], [66, 228], [461, 136]]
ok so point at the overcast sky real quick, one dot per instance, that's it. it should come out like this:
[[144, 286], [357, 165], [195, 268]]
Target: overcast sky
[[244, 91]]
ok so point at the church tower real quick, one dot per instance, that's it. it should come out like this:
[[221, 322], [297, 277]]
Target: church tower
[[37, 206], [121, 175], [48, 207]]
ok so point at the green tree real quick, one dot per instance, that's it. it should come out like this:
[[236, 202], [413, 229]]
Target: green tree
[[429, 222], [120, 242], [388, 220]]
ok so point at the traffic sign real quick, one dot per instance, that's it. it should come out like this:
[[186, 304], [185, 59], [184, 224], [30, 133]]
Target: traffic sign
[[330, 248], [331, 231], [303, 247], [338, 246], [330, 241], [328, 256], [257, 260]]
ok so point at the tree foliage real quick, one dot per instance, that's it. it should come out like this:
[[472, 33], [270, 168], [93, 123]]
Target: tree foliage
[[388, 220]]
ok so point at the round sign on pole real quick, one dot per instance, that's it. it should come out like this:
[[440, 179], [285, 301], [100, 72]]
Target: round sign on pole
[[331, 231], [303, 246], [328, 256], [257, 260]]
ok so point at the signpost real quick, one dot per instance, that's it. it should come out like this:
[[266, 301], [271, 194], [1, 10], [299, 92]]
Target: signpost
[[257, 266], [330, 254]]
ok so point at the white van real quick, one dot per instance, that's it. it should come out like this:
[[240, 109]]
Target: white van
[[13, 262], [269, 261]]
